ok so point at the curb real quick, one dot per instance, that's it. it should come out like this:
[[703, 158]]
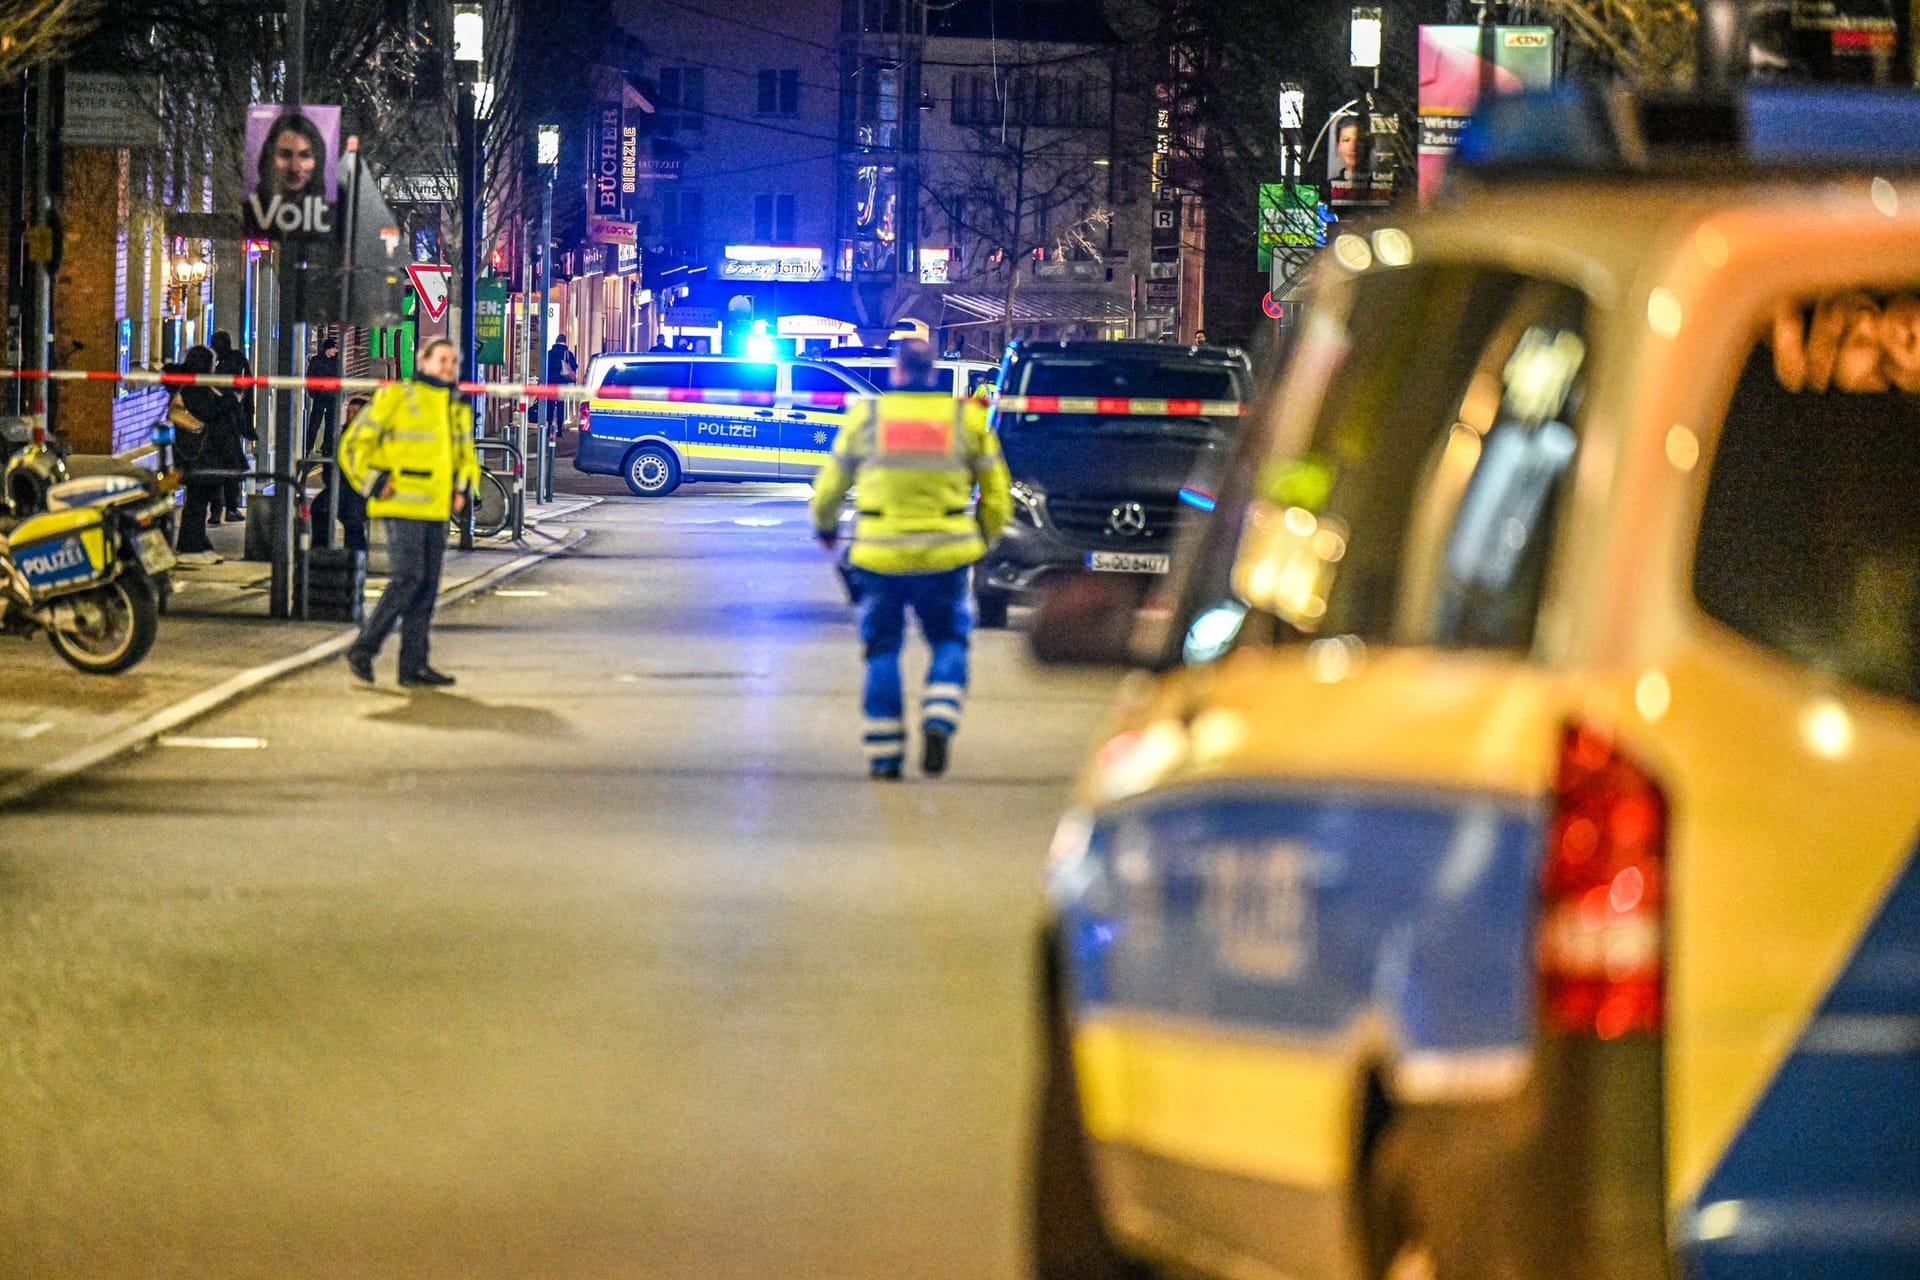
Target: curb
[[237, 686]]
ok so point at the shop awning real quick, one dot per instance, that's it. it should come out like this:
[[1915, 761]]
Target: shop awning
[[1039, 306]]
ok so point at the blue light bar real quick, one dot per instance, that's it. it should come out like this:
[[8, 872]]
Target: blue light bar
[[1581, 129], [1198, 500]]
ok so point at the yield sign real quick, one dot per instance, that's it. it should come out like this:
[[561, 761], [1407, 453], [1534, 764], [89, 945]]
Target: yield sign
[[433, 281]]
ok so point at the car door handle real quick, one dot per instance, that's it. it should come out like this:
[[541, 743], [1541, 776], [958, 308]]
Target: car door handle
[[798, 417], [763, 413]]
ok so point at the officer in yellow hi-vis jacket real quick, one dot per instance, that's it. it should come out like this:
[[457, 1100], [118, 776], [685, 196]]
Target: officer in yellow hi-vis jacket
[[411, 454], [917, 456]]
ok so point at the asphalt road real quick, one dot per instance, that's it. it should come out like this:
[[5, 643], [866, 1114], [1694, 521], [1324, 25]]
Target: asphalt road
[[611, 962]]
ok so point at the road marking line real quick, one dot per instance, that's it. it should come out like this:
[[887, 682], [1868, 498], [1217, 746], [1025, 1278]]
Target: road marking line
[[520, 595], [237, 686], [211, 744]]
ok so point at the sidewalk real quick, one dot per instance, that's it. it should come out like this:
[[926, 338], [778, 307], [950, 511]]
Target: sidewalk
[[214, 642]]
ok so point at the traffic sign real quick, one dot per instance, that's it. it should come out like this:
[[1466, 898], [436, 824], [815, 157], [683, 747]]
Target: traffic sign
[[433, 281], [1274, 308]]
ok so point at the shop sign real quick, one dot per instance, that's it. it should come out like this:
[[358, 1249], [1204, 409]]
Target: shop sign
[[490, 321], [104, 109], [610, 231], [626, 258], [692, 317], [936, 266], [629, 160], [606, 162], [772, 262]]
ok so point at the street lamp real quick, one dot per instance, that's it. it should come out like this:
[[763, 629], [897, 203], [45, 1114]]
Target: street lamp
[[469, 43], [1364, 44], [547, 156]]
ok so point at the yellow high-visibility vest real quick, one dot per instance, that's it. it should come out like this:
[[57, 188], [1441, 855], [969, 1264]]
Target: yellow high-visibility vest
[[914, 459], [419, 438]]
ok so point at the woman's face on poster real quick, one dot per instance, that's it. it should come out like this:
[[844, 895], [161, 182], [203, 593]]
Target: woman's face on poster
[[1349, 145], [293, 160]]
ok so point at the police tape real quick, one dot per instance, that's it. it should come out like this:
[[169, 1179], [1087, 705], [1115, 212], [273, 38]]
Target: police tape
[[1094, 406], [1120, 407]]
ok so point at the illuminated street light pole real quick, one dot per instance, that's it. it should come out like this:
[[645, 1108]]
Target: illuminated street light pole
[[469, 42], [548, 157], [1363, 45]]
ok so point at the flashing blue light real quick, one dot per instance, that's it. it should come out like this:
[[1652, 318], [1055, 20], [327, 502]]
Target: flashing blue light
[[1576, 128], [761, 329], [1198, 499], [760, 346]]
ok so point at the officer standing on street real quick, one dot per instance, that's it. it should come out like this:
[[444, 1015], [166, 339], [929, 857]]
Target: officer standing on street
[[411, 454], [917, 455]]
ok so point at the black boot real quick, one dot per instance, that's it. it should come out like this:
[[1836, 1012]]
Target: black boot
[[933, 751]]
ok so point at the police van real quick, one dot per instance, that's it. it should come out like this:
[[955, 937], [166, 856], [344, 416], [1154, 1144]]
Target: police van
[[1505, 860], [962, 378], [660, 435]]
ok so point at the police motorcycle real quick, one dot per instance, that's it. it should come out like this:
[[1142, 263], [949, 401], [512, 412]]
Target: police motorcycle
[[29, 466], [89, 567]]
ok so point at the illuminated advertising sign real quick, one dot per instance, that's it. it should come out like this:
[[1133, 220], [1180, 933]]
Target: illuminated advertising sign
[[605, 174], [772, 262]]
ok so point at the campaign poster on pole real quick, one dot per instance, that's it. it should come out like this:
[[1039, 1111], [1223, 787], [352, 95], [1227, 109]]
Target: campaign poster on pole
[[290, 170], [490, 320], [1451, 72]]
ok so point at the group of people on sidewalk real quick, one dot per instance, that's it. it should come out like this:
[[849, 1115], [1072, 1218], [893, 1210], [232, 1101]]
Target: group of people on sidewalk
[[212, 428]]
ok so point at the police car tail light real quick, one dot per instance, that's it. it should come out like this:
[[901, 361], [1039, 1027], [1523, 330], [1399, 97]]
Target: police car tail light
[[1602, 932], [586, 411]]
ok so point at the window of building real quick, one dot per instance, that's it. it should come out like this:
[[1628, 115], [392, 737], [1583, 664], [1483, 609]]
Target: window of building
[[773, 219], [1053, 102], [682, 214], [683, 99], [779, 93]]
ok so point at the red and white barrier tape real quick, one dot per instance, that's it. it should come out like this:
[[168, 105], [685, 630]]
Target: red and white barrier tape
[[1100, 406], [1121, 407]]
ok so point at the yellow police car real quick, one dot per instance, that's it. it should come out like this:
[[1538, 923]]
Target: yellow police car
[[1508, 864], [659, 421]]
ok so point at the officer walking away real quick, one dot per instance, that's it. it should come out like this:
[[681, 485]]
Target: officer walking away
[[917, 457], [411, 454], [323, 406]]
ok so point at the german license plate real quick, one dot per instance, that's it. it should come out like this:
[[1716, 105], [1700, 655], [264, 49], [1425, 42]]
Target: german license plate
[[1125, 562], [151, 546]]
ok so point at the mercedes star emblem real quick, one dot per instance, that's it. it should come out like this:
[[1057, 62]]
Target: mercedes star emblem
[[1129, 519]]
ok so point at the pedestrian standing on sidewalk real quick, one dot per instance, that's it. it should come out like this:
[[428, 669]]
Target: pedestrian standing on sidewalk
[[917, 457], [197, 450], [411, 455], [229, 362], [322, 406]]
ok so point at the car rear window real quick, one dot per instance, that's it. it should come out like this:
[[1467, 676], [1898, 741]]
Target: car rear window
[[1405, 487], [1809, 539], [1141, 377], [647, 373]]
